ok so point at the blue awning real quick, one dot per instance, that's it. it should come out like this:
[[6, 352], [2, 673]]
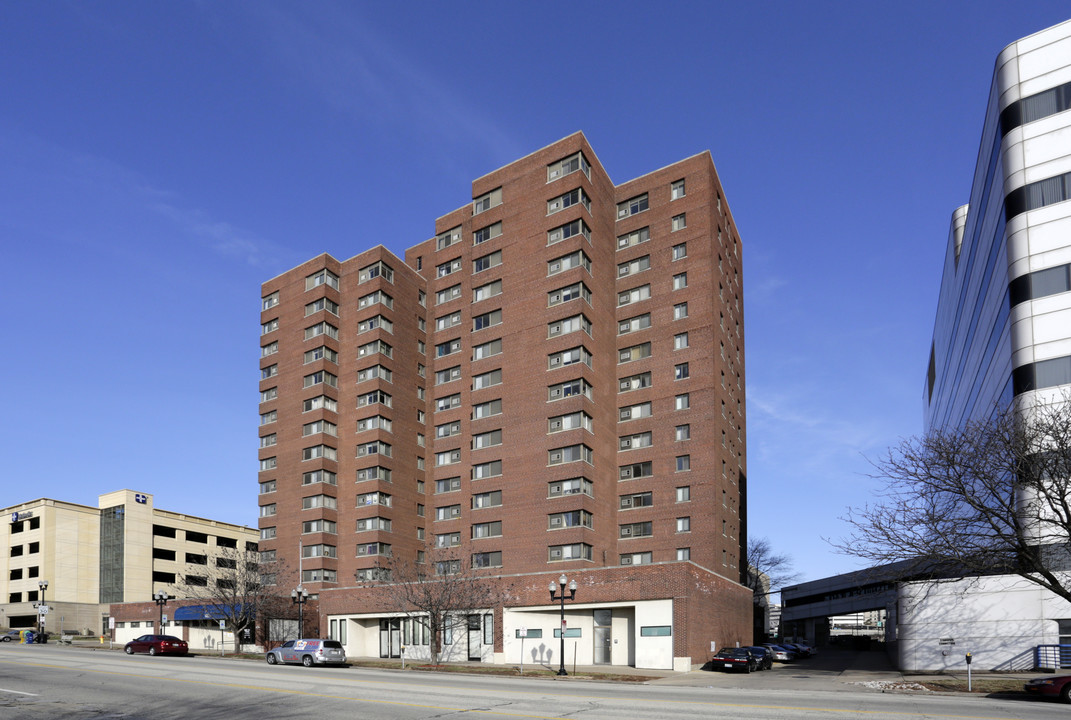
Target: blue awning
[[207, 612]]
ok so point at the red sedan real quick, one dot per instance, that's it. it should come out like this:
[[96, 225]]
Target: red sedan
[[1058, 686], [157, 645]]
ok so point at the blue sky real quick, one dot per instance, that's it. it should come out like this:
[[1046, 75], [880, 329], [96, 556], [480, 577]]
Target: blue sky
[[160, 160]]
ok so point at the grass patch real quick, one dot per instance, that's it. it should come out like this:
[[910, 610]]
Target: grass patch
[[983, 686]]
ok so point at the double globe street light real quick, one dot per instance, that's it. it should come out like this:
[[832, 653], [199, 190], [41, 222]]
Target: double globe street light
[[561, 597], [299, 597], [161, 599]]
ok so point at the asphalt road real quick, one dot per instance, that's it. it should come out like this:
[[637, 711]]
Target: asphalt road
[[38, 682]]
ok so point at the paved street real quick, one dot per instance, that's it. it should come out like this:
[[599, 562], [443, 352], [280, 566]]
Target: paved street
[[60, 683]]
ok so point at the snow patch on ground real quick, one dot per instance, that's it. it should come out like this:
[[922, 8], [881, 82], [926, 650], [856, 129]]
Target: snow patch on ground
[[892, 686]]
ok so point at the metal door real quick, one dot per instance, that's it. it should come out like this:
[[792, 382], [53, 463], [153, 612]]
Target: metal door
[[390, 643]]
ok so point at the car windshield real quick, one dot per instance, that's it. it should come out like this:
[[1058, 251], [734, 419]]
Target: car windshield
[[733, 652], [333, 644]]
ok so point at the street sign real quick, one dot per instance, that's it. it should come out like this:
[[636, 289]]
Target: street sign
[[946, 641], [222, 624], [42, 609], [523, 632], [163, 619]]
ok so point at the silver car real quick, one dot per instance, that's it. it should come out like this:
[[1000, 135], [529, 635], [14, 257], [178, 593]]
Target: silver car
[[308, 652]]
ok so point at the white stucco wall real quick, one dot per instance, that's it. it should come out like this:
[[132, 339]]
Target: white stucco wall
[[998, 619]]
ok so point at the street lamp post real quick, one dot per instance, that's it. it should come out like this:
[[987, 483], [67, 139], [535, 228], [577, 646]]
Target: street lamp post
[[299, 597], [561, 597], [161, 599], [43, 585]]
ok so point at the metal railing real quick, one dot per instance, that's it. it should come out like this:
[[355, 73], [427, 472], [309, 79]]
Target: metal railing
[[1052, 657]]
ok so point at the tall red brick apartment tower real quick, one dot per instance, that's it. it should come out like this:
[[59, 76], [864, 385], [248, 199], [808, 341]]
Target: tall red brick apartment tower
[[552, 384]]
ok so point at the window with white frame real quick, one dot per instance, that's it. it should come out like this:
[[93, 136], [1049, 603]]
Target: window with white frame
[[681, 402], [569, 519], [487, 201], [447, 402], [568, 262], [321, 353], [487, 262], [376, 298], [631, 267], [488, 233], [633, 324], [680, 341], [489, 290], [637, 529], [487, 409], [269, 301], [680, 281], [316, 452], [481, 471], [570, 388], [636, 352], [448, 429], [376, 397], [569, 454], [684, 463], [447, 485], [627, 297], [684, 524], [376, 422], [636, 470], [634, 412], [566, 200], [447, 457], [676, 190], [447, 294], [568, 230], [680, 251], [492, 498], [269, 349], [632, 206], [571, 486], [487, 529], [684, 493], [376, 447], [323, 277], [679, 222], [319, 501], [448, 321], [567, 293], [448, 347], [576, 551], [568, 166], [322, 304], [486, 439], [448, 268], [640, 558], [486, 320], [487, 349], [568, 325], [684, 553], [375, 270], [316, 477], [682, 432], [448, 375], [680, 371], [570, 421], [448, 512], [569, 357], [680, 311], [448, 238], [487, 379], [634, 382], [319, 426], [636, 500], [635, 442], [633, 238]]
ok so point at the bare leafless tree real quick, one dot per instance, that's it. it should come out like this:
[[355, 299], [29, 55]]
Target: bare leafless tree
[[768, 571], [990, 497], [440, 588], [234, 586]]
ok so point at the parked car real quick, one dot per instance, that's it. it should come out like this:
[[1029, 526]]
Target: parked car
[[10, 636], [764, 654], [308, 652], [1058, 686], [735, 659], [781, 653], [801, 649], [157, 645]]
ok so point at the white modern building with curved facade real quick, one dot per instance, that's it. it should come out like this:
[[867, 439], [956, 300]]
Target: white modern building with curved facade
[[1002, 335]]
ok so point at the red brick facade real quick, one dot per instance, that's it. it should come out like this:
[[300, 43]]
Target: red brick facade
[[501, 387]]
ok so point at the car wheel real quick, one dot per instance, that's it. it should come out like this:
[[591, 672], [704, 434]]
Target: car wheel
[[307, 661], [1065, 692], [271, 659], [5, 639], [152, 650], [129, 650]]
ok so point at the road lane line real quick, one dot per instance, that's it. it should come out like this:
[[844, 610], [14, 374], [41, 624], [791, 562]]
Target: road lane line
[[260, 688], [17, 692]]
